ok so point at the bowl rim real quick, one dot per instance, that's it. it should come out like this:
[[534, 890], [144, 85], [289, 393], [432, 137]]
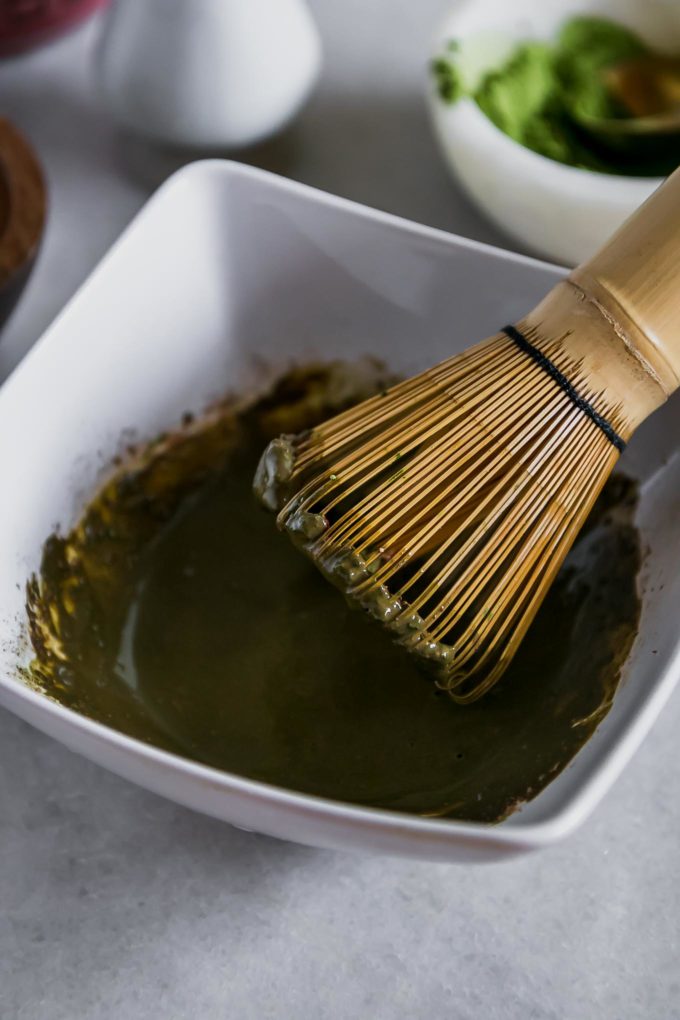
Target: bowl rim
[[645, 184], [440, 833]]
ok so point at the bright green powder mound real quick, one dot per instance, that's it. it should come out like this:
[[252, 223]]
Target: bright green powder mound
[[536, 95]]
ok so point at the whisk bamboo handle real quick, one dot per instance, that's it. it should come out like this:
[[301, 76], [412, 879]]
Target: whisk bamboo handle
[[619, 312], [635, 277]]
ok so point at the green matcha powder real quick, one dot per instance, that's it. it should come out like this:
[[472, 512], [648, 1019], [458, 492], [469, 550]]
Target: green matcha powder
[[537, 94]]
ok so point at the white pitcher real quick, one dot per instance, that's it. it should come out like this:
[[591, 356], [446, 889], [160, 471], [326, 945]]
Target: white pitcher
[[207, 73]]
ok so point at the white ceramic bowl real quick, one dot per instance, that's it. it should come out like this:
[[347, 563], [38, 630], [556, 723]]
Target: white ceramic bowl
[[558, 211], [215, 74], [228, 269]]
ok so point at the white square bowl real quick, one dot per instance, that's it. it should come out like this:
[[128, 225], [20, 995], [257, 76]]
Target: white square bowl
[[230, 272]]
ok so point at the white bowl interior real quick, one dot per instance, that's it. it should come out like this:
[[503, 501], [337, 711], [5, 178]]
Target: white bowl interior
[[228, 275]]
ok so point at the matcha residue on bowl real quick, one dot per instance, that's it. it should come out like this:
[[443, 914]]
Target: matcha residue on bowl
[[537, 95], [175, 612]]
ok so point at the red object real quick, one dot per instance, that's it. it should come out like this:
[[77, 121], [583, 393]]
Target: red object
[[28, 23]]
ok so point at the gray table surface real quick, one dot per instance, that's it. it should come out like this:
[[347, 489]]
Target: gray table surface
[[117, 904]]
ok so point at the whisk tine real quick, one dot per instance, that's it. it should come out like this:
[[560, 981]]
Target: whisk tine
[[445, 505]]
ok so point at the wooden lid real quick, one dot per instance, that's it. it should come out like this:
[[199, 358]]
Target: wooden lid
[[23, 202]]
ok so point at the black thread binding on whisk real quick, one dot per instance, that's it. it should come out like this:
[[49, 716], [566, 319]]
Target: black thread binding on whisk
[[553, 371]]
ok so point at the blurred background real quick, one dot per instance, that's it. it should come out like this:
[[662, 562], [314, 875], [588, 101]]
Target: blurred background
[[363, 134]]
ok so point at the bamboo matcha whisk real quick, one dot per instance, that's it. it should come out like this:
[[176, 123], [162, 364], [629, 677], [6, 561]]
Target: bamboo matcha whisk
[[446, 505]]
